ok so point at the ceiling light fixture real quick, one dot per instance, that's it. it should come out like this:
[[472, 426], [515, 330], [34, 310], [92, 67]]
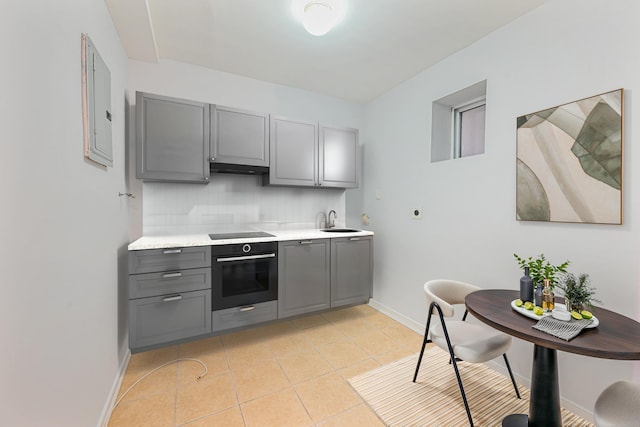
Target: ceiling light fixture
[[319, 16]]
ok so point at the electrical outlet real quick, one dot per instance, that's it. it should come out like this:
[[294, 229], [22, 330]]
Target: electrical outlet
[[416, 213]]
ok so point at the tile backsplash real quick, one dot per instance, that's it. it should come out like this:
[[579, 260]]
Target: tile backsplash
[[235, 202]]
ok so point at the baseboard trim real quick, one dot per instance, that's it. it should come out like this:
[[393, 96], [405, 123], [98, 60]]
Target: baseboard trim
[[397, 316], [103, 421]]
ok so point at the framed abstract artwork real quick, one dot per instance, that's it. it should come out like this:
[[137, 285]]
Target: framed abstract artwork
[[569, 162]]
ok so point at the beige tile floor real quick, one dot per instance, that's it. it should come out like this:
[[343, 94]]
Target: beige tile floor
[[288, 373]]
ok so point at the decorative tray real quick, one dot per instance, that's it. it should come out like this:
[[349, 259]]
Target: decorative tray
[[529, 313]]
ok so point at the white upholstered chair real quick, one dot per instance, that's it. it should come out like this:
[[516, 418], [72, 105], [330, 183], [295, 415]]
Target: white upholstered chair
[[470, 342], [618, 405]]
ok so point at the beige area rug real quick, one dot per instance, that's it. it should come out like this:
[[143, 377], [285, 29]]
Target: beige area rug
[[434, 400]]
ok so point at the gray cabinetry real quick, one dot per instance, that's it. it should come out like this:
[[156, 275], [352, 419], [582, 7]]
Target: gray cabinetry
[[351, 270], [294, 152], [239, 137], [306, 154], [169, 295], [237, 317], [339, 159], [172, 139], [303, 277], [154, 260]]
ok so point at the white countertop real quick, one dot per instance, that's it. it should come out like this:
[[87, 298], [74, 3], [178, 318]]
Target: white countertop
[[185, 240]]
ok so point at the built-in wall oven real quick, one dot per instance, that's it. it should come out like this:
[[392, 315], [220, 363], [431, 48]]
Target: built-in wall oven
[[243, 273]]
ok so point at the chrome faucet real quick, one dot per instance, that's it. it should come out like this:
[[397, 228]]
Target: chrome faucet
[[331, 223]]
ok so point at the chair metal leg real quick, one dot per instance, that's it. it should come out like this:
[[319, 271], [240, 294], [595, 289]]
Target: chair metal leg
[[424, 344], [453, 359], [464, 397], [452, 356], [513, 381]]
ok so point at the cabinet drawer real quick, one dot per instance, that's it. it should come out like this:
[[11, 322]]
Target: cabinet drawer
[[157, 320], [236, 317], [169, 282], [156, 260]]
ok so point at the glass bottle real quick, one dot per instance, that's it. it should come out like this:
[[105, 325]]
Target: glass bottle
[[547, 296], [526, 286], [537, 295]]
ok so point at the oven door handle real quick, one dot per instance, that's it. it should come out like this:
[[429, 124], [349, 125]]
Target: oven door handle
[[245, 258]]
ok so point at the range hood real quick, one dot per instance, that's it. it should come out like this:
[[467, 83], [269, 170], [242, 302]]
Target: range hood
[[240, 169]]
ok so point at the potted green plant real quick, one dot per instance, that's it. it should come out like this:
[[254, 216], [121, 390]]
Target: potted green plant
[[540, 268], [577, 291]]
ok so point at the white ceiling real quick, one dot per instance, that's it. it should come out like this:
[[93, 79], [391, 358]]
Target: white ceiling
[[379, 43]]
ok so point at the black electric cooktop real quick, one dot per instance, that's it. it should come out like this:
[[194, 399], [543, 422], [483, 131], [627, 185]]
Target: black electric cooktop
[[240, 235]]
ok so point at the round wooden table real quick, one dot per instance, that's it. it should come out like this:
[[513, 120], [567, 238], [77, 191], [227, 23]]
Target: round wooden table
[[616, 337]]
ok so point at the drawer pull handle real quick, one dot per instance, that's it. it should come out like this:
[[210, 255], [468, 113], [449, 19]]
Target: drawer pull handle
[[248, 308], [171, 275], [306, 242], [171, 251], [172, 298], [353, 239]]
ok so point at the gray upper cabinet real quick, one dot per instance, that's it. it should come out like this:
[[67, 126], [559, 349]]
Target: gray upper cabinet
[[239, 137], [172, 139], [304, 277], [351, 270], [306, 154], [339, 159], [294, 152]]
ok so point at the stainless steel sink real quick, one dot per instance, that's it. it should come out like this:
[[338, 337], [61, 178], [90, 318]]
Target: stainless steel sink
[[340, 230]]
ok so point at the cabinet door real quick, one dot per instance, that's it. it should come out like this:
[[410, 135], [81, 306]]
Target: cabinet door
[[351, 270], [339, 159], [303, 277], [157, 320], [294, 151], [172, 139], [239, 137]]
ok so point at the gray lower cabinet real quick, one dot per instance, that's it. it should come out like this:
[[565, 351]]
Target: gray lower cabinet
[[157, 260], [239, 137], [237, 317], [351, 270], [162, 319], [303, 276], [172, 139], [169, 295]]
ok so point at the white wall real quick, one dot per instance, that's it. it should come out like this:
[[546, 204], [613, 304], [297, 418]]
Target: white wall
[[63, 226], [241, 199], [560, 52]]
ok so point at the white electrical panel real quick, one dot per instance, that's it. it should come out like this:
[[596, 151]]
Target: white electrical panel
[[97, 118]]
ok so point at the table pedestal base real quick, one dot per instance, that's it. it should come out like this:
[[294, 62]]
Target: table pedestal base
[[515, 420], [544, 403]]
